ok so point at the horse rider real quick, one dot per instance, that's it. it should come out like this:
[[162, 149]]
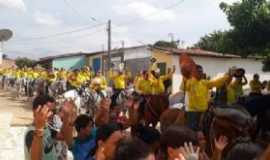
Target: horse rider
[[143, 84], [158, 87], [74, 80], [256, 85], [99, 84], [62, 78], [119, 79], [197, 90]]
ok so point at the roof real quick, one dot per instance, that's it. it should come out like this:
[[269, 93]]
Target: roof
[[87, 53], [202, 53]]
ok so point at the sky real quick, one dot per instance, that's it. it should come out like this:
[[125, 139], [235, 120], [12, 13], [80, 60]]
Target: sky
[[44, 28]]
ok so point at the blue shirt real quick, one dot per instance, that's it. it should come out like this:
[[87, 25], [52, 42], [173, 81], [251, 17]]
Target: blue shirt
[[81, 148]]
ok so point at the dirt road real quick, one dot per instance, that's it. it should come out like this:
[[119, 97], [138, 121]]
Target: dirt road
[[19, 108]]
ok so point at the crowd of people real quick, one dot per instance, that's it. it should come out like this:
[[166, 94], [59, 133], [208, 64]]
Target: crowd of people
[[118, 131]]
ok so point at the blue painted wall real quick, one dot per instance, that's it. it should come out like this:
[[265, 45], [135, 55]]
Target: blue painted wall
[[96, 64], [75, 62]]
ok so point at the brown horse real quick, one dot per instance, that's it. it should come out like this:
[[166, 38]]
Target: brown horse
[[232, 121], [149, 108]]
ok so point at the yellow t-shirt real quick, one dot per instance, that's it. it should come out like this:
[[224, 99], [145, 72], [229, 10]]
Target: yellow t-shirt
[[255, 86], [198, 92], [119, 81], [144, 87], [158, 84]]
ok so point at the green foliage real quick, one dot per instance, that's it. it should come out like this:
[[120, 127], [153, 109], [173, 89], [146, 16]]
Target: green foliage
[[165, 44], [250, 33], [217, 41], [250, 20], [24, 62], [266, 64]]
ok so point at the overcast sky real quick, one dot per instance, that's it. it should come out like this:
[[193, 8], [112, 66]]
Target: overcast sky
[[50, 27]]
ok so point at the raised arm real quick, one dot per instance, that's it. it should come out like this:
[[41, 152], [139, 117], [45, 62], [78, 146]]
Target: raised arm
[[41, 115], [69, 111]]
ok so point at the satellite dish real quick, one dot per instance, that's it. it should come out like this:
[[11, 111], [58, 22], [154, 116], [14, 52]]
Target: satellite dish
[[5, 34]]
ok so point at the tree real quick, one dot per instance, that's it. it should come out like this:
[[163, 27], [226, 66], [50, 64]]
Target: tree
[[24, 62], [250, 33], [218, 41], [250, 20], [166, 44]]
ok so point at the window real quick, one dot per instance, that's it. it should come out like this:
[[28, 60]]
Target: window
[[162, 67]]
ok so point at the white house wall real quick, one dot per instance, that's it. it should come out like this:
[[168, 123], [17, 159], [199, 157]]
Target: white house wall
[[136, 53], [218, 66]]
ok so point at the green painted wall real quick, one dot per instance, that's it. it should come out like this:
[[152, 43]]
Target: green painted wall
[[75, 62]]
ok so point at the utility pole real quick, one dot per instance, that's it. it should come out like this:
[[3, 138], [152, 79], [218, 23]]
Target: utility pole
[[171, 35], [109, 44], [123, 44]]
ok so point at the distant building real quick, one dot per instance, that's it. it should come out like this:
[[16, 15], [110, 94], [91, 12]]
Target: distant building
[[7, 63]]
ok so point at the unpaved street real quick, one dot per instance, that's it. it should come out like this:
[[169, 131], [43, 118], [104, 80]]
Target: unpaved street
[[19, 108]]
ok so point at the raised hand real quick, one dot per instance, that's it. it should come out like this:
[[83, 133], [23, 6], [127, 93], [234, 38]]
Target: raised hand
[[100, 154], [68, 108], [41, 115], [189, 153], [221, 143]]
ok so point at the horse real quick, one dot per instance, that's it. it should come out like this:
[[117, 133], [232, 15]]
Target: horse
[[258, 106], [91, 99], [57, 88], [233, 121], [151, 107]]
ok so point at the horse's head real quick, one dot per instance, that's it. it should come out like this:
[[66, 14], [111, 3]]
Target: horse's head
[[232, 122], [172, 116]]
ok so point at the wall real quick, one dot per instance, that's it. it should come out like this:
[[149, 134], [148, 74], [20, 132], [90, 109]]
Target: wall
[[215, 67], [136, 53], [137, 59], [91, 58], [163, 57], [74, 62], [137, 65]]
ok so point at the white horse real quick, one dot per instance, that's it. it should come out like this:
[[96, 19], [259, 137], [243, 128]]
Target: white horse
[[75, 97], [177, 100]]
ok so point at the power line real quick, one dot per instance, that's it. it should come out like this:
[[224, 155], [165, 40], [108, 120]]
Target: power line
[[61, 33], [77, 12], [85, 34]]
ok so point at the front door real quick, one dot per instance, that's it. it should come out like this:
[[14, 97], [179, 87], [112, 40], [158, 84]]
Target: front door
[[96, 64]]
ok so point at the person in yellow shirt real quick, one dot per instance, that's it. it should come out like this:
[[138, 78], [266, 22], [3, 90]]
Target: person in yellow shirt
[[158, 86], [119, 79], [235, 88], [197, 90], [255, 85], [99, 84], [74, 80], [143, 85]]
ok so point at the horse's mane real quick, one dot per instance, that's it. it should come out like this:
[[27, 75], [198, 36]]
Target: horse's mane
[[236, 114]]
